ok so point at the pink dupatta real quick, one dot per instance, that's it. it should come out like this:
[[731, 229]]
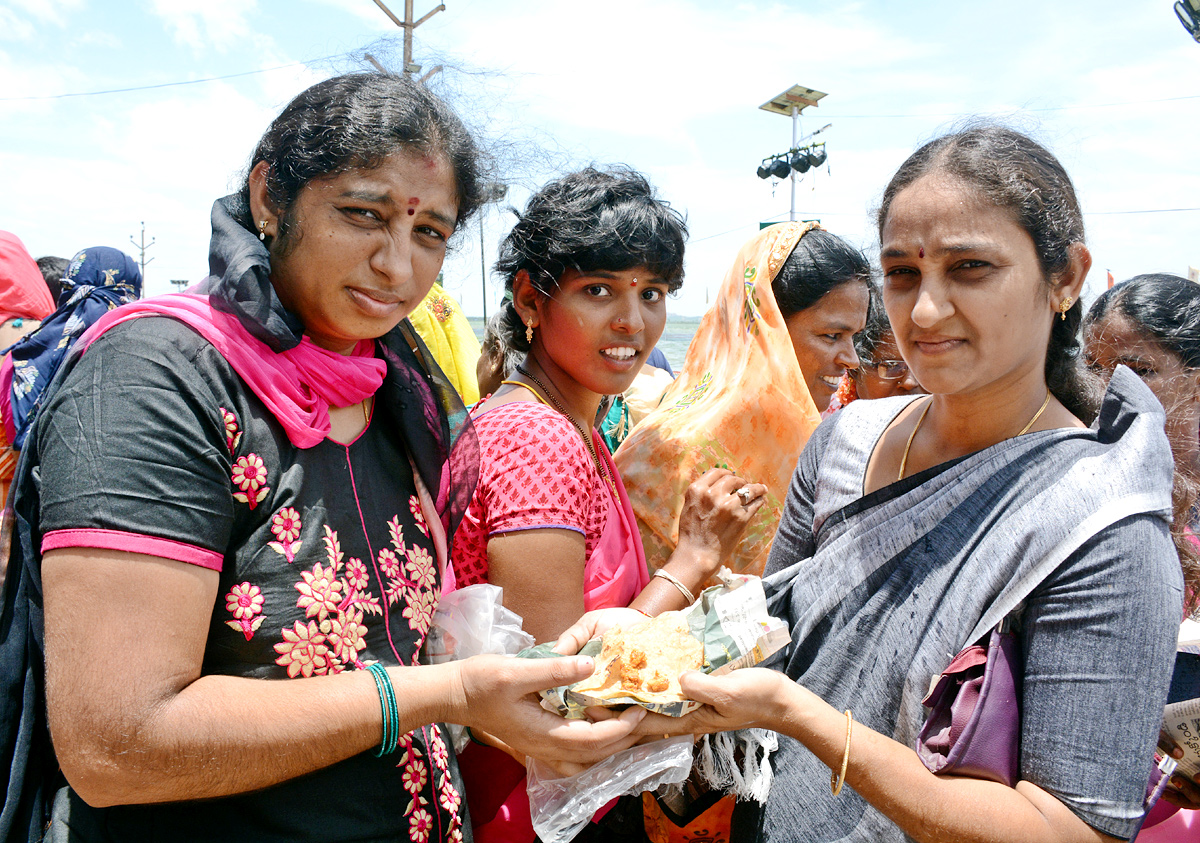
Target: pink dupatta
[[298, 385]]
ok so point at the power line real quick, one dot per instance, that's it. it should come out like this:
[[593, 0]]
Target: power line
[[780, 216], [1015, 109], [172, 84], [1146, 211]]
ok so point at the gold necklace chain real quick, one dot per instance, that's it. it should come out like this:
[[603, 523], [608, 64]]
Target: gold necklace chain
[[587, 440], [929, 403]]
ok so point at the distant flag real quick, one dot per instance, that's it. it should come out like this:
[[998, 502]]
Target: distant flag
[[1110, 279]]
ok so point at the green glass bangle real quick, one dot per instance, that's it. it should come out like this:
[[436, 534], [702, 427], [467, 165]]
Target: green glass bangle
[[391, 712]]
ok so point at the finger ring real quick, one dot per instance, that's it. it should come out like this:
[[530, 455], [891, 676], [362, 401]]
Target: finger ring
[[745, 495]]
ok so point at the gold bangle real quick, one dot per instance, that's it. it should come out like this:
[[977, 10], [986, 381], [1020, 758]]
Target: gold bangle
[[836, 780], [674, 580]]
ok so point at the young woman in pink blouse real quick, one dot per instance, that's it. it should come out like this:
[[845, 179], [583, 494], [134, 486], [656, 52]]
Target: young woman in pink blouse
[[589, 263]]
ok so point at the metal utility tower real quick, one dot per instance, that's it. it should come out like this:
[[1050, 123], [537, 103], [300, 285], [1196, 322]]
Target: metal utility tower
[[142, 247], [408, 25]]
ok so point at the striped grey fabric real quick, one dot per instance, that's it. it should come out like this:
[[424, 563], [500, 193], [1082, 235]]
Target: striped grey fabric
[[1071, 526]]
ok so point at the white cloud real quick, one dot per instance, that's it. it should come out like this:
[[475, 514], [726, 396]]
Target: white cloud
[[206, 24], [13, 27], [50, 11]]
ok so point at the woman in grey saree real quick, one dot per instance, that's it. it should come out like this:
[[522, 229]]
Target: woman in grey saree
[[913, 525]]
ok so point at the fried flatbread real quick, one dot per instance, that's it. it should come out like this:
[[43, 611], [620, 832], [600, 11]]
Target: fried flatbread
[[644, 660]]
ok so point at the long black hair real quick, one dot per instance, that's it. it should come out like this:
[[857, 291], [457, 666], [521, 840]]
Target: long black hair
[[1017, 174], [594, 219]]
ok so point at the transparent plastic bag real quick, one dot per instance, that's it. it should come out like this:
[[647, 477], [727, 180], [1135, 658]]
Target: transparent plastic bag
[[472, 621], [562, 806]]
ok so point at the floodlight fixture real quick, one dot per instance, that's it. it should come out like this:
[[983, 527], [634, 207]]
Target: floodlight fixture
[[799, 161], [780, 168], [1188, 12], [764, 172], [817, 155]]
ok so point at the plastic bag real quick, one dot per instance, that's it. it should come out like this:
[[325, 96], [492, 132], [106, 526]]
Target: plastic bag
[[562, 806], [472, 621]]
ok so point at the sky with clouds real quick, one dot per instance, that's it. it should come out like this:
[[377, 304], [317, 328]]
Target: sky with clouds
[[670, 87]]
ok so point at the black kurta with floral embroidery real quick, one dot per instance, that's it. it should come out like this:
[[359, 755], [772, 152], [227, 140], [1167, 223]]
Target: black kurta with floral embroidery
[[326, 565]]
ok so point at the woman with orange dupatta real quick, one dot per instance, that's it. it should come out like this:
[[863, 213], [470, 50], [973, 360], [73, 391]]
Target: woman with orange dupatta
[[762, 366]]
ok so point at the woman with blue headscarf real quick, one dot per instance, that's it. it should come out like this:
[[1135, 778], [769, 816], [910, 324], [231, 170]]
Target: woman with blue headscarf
[[96, 281]]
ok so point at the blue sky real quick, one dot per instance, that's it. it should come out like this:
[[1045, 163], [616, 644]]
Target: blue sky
[[671, 87]]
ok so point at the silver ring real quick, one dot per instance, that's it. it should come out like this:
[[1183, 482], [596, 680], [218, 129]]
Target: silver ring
[[744, 495]]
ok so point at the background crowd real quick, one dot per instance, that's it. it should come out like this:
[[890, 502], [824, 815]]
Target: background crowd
[[235, 509]]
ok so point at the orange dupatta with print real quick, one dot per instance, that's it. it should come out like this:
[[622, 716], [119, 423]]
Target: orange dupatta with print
[[741, 403]]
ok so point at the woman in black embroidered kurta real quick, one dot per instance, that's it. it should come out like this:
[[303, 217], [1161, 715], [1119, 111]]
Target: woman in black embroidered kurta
[[260, 487]]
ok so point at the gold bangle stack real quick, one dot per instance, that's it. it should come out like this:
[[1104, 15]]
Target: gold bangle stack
[[836, 780]]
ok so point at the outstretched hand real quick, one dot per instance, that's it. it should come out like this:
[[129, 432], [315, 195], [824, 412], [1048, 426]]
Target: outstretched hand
[[500, 698], [754, 697], [715, 515]]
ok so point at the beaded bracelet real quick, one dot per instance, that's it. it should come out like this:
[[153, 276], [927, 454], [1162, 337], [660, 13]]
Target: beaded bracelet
[[391, 712]]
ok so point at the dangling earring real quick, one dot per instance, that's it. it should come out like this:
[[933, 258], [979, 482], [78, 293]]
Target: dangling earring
[[262, 229], [1063, 307], [529, 332]]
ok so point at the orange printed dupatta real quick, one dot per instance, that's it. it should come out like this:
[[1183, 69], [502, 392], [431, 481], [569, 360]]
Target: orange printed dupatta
[[740, 403]]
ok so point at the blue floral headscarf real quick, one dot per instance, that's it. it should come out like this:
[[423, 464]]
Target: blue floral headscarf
[[96, 281]]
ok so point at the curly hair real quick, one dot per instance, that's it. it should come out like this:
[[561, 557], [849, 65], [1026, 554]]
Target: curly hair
[[1017, 174], [594, 219], [355, 122]]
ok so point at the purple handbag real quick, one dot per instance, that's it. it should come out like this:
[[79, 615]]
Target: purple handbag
[[974, 723]]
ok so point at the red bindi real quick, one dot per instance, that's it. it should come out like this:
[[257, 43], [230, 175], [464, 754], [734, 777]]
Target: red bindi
[[411, 211], [921, 252]]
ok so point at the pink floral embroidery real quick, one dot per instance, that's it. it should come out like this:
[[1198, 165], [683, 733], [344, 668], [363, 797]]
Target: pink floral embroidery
[[449, 797], [419, 611], [356, 574], [437, 750], [233, 433], [320, 592], [419, 825], [455, 831], [303, 651], [388, 563], [420, 568], [415, 774], [414, 507], [345, 636], [286, 526], [250, 475], [245, 602]]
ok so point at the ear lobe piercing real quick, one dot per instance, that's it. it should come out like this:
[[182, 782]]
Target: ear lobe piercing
[[1064, 306], [262, 229], [529, 332]]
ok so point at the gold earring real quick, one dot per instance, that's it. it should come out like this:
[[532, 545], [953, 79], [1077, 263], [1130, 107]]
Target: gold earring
[[262, 229], [529, 332], [1063, 307]]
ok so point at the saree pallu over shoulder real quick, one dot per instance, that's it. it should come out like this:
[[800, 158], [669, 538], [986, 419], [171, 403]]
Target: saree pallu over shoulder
[[740, 403], [892, 584]]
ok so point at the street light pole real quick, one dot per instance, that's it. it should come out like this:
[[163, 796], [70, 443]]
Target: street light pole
[[792, 174], [791, 102]]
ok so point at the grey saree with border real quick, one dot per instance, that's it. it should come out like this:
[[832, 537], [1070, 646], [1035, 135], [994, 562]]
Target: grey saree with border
[[1067, 527]]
